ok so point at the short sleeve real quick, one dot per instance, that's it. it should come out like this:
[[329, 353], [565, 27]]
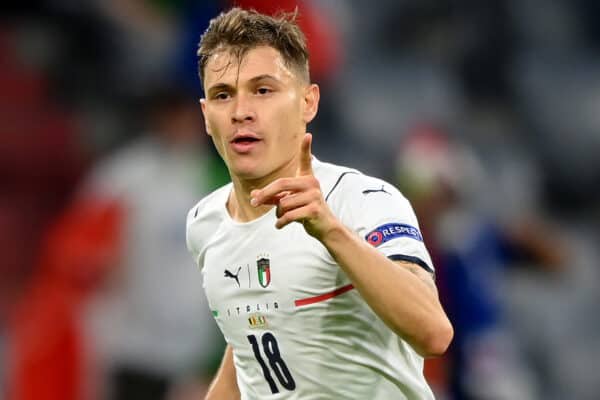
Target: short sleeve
[[382, 216], [203, 221], [194, 251]]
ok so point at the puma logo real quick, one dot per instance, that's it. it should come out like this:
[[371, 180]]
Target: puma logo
[[365, 192], [229, 274]]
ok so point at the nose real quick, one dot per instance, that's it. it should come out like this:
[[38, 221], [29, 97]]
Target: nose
[[242, 110]]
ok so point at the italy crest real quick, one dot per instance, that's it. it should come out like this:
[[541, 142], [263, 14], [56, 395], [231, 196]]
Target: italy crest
[[264, 272]]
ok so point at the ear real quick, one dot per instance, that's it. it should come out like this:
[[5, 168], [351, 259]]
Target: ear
[[312, 95], [206, 123]]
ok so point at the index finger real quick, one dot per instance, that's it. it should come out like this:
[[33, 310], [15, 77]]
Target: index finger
[[305, 156]]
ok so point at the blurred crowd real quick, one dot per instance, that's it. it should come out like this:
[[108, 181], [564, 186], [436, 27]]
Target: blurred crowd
[[484, 114]]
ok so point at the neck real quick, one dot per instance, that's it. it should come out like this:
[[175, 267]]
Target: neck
[[238, 204]]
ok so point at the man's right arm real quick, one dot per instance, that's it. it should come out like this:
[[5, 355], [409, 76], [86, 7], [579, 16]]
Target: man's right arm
[[224, 385]]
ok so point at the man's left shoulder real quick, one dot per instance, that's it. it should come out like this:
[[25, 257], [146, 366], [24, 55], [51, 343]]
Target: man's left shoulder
[[330, 175], [339, 181]]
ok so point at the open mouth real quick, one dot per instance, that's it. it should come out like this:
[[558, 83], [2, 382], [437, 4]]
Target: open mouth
[[244, 140]]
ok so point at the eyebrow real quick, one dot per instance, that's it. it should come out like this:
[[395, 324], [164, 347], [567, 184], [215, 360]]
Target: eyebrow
[[226, 86], [219, 86], [264, 77]]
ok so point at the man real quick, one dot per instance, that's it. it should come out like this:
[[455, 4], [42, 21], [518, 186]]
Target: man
[[341, 304]]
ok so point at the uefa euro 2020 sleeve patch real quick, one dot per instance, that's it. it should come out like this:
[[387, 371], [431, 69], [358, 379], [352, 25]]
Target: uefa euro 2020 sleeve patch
[[387, 232]]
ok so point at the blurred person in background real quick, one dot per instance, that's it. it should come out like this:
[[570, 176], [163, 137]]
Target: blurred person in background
[[116, 296], [41, 161], [151, 325], [35, 182], [63, 102], [474, 250]]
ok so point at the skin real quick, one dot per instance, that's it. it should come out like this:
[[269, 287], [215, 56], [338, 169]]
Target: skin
[[262, 97]]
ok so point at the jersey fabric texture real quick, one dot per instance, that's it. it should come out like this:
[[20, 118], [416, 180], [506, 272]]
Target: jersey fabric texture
[[297, 326]]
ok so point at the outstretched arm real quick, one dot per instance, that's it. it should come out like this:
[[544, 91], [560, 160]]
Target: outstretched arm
[[224, 385], [402, 294]]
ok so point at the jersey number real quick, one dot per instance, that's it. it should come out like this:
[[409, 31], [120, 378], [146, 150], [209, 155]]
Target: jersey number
[[271, 350]]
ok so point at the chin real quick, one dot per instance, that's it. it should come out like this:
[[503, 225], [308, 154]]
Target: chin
[[247, 172]]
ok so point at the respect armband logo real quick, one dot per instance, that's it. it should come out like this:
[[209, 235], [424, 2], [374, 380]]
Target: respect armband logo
[[387, 232]]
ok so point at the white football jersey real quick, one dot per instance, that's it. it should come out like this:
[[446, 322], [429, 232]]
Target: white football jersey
[[297, 326]]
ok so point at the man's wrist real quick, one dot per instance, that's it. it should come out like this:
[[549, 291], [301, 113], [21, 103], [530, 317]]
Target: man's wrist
[[335, 235]]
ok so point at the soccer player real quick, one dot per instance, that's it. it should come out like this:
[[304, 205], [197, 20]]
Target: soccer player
[[316, 274]]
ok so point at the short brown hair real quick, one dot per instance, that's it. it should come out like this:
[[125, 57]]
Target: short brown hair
[[241, 30]]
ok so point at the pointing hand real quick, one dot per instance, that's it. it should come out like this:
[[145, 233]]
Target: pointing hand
[[298, 198]]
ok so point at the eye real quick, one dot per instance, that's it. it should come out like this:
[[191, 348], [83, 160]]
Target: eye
[[263, 90], [221, 96]]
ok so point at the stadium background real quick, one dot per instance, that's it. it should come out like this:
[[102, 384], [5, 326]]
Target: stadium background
[[486, 115]]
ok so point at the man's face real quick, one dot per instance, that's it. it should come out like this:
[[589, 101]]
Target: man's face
[[256, 111]]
